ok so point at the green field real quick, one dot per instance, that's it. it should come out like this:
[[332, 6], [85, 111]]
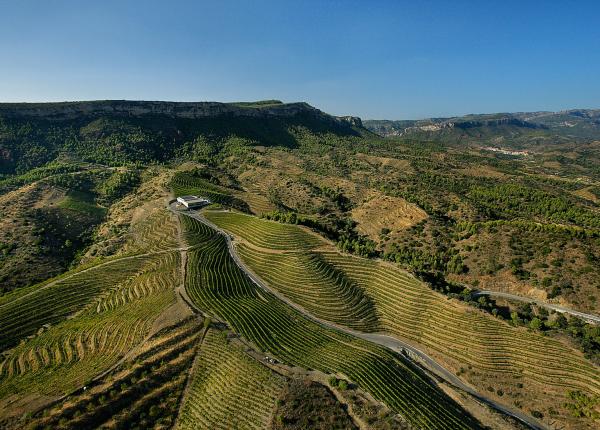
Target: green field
[[266, 234], [308, 279]]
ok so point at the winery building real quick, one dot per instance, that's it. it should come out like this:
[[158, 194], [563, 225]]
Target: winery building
[[192, 201]]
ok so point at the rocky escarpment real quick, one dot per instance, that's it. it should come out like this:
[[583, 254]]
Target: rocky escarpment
[[188, 110], [352, 120], [491, 123], [120, 131], [400, 128]]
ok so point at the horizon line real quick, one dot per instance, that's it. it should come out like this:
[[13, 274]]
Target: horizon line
[[459, 115]]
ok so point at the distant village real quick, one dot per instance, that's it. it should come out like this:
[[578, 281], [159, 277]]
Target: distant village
[[506, 151]]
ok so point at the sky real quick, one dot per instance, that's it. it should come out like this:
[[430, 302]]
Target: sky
[[373, 59]]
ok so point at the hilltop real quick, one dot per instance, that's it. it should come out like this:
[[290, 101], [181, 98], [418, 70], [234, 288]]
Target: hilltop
[[31, 134]]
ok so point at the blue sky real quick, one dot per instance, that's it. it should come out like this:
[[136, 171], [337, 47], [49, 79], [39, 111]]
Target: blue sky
[[374, 59]]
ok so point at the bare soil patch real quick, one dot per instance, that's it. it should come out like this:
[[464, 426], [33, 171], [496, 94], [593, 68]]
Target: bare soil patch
[[379, 211], [383, 162]]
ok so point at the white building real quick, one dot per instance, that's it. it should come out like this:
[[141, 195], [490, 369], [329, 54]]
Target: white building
[[192, 201]]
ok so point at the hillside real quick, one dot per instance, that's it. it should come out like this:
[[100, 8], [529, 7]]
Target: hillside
[[339, 279], [581, 124], [117, 132]]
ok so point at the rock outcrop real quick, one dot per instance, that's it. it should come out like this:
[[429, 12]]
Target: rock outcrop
[[491, 123], [352, 120], [189, 110], [401, 128]]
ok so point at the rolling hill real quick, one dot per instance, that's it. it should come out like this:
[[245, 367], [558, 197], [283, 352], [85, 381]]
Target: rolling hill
[[339, 278]]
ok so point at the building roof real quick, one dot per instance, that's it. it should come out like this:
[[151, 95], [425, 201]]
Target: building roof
[[190, 200]]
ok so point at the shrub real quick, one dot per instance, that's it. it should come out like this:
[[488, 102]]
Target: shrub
[[537, 414]]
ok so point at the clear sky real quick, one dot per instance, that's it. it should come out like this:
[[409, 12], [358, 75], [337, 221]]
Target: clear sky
[[374, 59]]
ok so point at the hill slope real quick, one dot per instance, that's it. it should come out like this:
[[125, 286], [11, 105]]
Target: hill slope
[[104, 287]]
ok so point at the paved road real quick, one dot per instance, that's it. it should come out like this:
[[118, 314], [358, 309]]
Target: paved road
[[389, 342], [587, 317]]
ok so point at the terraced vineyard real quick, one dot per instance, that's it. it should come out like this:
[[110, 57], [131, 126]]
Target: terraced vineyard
[[308, 280], [469, 337], [259, 204], [24, 316], [216, 284], [228, 389], [500, 355], [81, 325], [122, 309], [142, 393], [184, 183], [155, 232], [265, 234]]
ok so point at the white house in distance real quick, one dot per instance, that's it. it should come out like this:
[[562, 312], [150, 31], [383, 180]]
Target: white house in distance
[[192, 201]]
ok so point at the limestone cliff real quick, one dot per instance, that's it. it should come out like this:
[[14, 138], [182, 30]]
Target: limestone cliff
[[190, 110]]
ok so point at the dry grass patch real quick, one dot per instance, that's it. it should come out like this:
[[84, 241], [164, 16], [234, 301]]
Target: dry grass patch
[[256, 199], [481, 171], [307, 404], [285, 161], [385, 162], [380, 211], [552, 164], [587, 194], [276, 186], [41, 228], [138, 222]]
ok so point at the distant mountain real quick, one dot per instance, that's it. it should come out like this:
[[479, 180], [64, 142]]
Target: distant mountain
[[575, 122], [578, 123], [141, 109], [118, 131]]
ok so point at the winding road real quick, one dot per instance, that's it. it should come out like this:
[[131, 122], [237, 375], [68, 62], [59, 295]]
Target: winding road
[[587, 317], [419, 357]]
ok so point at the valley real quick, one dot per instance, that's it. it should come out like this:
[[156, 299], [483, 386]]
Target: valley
[[334, 266]]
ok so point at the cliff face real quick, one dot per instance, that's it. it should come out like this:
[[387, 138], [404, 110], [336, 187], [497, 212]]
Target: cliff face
[[115, 132], [352, 120], [190, 110], [492, 123], [401, 128]]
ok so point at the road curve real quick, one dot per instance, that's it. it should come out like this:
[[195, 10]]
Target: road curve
[[587, 317], [384, 340]]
